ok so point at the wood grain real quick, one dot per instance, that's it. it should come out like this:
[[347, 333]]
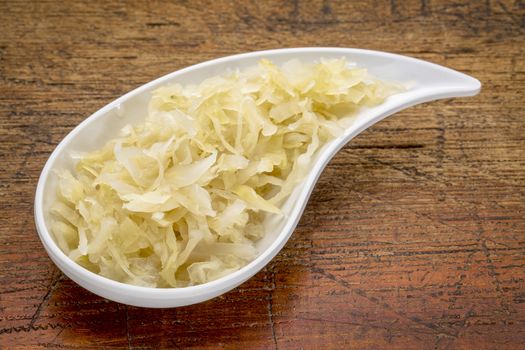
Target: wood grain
[[413, 238]]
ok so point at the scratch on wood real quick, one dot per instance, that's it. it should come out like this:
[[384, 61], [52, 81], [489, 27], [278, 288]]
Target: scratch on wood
[[482, 240], [270, 317], [509, 14], [50, 290], [393, 8], [57, 335], [513, 68], [424, 7], [162, 24], [270, 306], [294, 15], [27, 329], [384, 305], [127, 327], [494, 275], [327, 8]]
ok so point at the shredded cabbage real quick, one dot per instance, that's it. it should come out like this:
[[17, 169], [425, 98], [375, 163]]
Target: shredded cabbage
[[180, 199]]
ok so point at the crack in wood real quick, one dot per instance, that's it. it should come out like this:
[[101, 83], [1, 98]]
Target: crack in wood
[[393, 8], [270, 305], [54, 284], [384, 305], [127, 327], [424, 8], [27, 328]]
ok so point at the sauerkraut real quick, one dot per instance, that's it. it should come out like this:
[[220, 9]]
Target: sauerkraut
[[180, 199]]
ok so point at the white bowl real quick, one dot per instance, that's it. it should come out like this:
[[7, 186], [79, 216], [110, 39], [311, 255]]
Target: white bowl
[[428, 82]]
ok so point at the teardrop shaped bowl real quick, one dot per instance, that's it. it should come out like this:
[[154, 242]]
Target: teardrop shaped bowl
[[426, 82]]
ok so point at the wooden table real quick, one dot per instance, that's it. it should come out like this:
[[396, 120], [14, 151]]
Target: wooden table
[[414, 236]]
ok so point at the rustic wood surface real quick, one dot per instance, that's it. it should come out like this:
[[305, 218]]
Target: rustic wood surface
[[414, 237]]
